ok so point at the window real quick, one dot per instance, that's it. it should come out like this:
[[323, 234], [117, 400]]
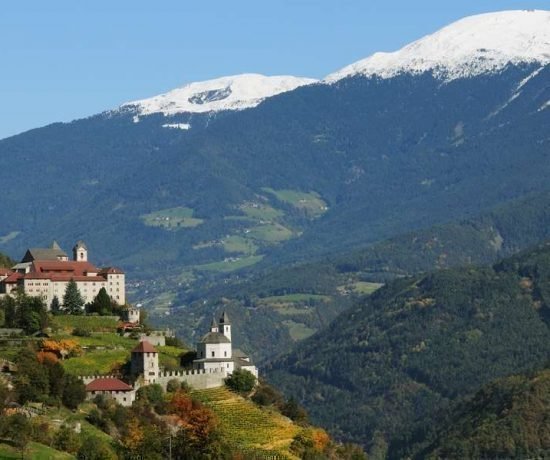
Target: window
[[225, 353], [213, 354]]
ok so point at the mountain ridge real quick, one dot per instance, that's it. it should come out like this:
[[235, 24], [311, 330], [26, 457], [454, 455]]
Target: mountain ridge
[[394, 362], [471, 46]]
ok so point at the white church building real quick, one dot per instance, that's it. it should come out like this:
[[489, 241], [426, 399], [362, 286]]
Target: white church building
[[215, 350]]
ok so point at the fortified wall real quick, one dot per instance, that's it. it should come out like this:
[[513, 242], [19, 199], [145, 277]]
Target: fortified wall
[[199, 379]]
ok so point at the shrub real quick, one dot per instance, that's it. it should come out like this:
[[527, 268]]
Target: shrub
[[81, 332], [266, 395], [66, 440], [95, 449], [173, 386], [241, 381]]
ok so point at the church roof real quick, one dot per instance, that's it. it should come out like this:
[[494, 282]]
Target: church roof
[[144, 347], [237, 352], [213, 360], [80, 244], [108, 384], [224, 318], [53, 253], [215, 337]]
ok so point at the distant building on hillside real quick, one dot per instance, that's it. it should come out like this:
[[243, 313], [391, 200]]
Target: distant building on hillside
[[121, 392], [216, 359], [45, 272], [215, 350]]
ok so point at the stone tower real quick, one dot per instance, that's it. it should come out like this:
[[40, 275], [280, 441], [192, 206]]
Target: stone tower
[[132, 315], [80, 252], [145, 361], [225, 325]]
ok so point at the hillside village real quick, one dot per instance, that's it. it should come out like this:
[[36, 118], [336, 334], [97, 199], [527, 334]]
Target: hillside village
[[46, 273], [95, 362]]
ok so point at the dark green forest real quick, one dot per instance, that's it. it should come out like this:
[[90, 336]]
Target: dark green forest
[[387, 370], [508, 418]]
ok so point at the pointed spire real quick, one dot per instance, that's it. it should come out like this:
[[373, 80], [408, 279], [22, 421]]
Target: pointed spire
[[224, 318], [56, 246], [214, 325]]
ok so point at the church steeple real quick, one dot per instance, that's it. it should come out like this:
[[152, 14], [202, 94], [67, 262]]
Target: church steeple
[[80, 252], [214, 325], [225, 325]]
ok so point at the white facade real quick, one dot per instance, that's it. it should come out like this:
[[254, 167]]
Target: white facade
[[124, 398], [215, 350]]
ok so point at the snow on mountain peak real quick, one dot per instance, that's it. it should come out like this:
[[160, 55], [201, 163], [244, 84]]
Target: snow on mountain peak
[[471, 46], [227, 93]]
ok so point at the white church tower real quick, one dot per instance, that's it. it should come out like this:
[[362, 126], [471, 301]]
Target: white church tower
[[225, 325], [80, 252]]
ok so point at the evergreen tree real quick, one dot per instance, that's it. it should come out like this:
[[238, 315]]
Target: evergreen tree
[[74, 392], [55, 306], [72, 299], [101, 304], [31, 313]]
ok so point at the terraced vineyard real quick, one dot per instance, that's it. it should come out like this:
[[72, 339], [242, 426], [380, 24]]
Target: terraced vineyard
[[245, 424]]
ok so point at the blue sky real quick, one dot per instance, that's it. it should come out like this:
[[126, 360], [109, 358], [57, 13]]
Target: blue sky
[[64, 59]]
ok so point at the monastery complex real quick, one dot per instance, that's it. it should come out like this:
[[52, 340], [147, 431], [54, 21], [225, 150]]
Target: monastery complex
[[45, 272]]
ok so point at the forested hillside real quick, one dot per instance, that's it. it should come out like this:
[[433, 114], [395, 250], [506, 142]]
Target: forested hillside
[[279, 306], [364, 159], [508, 418], [386, 370]]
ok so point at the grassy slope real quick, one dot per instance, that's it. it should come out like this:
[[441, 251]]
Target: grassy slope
[[34, 451]]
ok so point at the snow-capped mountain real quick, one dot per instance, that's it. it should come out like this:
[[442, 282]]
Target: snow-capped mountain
[[471, 46], [235, 92]]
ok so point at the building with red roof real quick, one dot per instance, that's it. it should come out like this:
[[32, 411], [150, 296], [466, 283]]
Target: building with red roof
[[121, 392], [45, 273]]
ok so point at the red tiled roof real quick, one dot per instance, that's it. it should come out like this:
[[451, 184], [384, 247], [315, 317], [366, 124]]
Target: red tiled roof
[[108, 384], [144, 347], [63, 270], [13, 278], [77, 268], [5, 271]]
